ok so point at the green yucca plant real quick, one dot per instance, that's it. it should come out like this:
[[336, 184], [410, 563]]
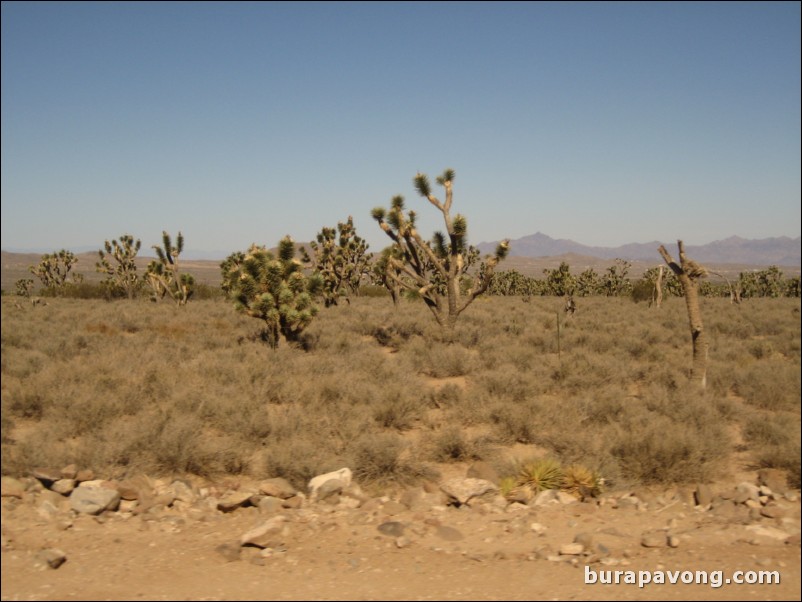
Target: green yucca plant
[[581, 482], [540, 474]]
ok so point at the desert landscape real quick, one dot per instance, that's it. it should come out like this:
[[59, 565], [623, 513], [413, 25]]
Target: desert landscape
[[505, 464]]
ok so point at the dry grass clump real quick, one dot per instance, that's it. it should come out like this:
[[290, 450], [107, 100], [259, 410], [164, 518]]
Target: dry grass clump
[[129, 385], [453, 444], [382, 459]]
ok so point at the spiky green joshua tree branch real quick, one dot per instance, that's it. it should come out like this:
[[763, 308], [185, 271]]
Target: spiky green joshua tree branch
[[54, 269], [341, 259], [122, 275], [163, 274], [273, 289], [437, 269]]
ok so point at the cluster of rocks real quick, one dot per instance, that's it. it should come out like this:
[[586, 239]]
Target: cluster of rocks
[[767, 508]]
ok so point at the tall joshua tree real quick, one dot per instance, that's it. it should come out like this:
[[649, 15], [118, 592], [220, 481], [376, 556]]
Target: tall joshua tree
[[688, 273], [436, 269], [163, 274], [122, 275], [341, 259], [54, 269]]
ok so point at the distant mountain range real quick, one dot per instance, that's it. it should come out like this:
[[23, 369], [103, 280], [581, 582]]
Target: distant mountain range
[[782, 251]]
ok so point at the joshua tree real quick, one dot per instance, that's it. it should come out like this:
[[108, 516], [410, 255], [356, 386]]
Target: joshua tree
[[381, 272], [273, 289], [688, 273], [341, 262], [54, 269], [435, 269], [121, 276], [163, 274], [615, 281], [24, 287], [560, 282], [588, 283]]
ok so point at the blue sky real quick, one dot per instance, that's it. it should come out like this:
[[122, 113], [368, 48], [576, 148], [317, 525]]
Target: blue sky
[[604, 123]]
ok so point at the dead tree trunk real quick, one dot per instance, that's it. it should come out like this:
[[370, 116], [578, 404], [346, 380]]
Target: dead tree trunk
[[688, 273], [658, 287]]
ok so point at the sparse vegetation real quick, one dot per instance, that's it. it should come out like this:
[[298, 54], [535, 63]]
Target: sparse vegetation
[[378, 390]]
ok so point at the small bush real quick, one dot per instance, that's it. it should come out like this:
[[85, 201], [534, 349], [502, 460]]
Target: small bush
[[378, 459]]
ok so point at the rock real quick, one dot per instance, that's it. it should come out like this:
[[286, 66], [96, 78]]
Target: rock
[[63, 486], [537, 528], [654, 539], [52, 557], [359, 518], [344, 475], [402, 542], [449, 533], [773, 478], [746, 491], [182, 491], [329, 491], [135, 488], [463, 489], [391, 528], [772, 511], [277, 487], [770, 532], [585, 539], [94, 500], [572, 549], [233, 501], [84, 475], [270, 505], [566, 498], [47, 476], [544, 497], [266, 535], [229, 551], [392, 508], [69, 472], [411, 497], [703, 495], [673, 541], [793, 540], [11, 487], [293, 503]]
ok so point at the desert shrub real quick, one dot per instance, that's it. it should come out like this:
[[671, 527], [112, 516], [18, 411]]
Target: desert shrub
[[88, 381], [379, 458], [653, 448], [452, 444], [514, 422], [772, 384], [298, 460], [396, 410]]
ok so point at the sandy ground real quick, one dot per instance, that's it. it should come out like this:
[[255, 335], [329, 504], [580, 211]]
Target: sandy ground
[[484, 551]]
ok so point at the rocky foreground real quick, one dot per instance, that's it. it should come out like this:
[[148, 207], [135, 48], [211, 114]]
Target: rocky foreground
[[67, 535]]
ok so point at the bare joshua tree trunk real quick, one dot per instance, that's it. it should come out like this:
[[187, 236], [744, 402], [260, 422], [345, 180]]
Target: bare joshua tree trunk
[[689, 272], [658, 287]]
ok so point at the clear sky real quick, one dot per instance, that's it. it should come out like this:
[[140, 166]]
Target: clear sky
[[605, 122]]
